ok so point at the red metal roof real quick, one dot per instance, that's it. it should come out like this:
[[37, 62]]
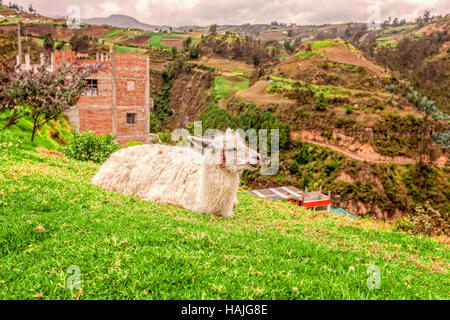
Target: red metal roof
[[290, 193]]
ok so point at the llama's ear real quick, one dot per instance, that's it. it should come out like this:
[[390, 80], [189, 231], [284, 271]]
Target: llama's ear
[[199, 143]]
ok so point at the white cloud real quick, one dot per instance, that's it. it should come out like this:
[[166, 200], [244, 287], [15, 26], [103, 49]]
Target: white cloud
[[109, 8], [207, 12]]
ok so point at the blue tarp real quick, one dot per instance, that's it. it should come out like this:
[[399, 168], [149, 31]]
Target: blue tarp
[[341, 211]]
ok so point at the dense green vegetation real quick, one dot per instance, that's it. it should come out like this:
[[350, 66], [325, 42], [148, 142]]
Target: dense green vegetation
[[250, 117], [88, 146], [162, 112]]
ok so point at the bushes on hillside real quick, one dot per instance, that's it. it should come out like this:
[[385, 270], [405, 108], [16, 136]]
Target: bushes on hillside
[[215, 117], [244, 49], [418, 60], [442, 138], [426, 220], [251, 117], [87, 146]]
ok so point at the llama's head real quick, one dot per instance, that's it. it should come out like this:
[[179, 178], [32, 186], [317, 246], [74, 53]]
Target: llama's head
[[230, 152]]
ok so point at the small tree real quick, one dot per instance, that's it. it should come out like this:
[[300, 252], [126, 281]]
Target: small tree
[[213, 30], [187, 43], [80, 43], [174, 52], [43, 95], [48, 43], [302, 94]]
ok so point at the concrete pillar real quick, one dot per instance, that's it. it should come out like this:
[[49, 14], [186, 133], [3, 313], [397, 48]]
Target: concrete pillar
[[27, 61], [147, 93], [113, 79], [19, 45], [52, 62]]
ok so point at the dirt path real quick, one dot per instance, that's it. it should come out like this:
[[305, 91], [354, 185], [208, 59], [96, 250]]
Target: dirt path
[[369, 154]]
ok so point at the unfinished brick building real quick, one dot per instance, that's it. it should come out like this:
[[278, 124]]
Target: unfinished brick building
[[116, 100]]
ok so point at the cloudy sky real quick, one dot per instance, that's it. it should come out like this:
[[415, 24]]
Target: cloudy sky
[[207, 12]]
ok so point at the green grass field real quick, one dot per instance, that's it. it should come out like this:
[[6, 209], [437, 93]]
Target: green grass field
[[322, 44], [113, 33], [52, 218], [226, 87], [155, 41], [400, 28], [125, 49], [302, 54]]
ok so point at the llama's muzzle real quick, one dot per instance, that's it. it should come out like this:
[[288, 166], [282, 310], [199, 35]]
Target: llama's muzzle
[[264, 162]]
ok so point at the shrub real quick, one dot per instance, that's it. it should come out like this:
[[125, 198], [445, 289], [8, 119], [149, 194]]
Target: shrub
[[321, 104], [215, 117], [426, 220], [294, 168], [348, 108], [379, 106], [306, 180], [165, 137], [404, 224], [88, 146], [442, 138], [303, 156], [327, 133], [330, 167]]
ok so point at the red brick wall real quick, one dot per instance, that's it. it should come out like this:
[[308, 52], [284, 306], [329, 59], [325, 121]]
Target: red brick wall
[[98, 120], [69, 57], [130, 98], [124, 129], [131, 65]]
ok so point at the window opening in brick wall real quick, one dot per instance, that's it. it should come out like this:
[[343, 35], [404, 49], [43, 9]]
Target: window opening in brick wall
[[131, 118], [91, 87]]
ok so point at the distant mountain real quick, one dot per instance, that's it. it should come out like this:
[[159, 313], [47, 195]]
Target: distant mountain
[[122, 21]]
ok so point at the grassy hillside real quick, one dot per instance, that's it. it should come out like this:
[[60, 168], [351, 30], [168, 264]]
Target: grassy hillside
[[52, 218]]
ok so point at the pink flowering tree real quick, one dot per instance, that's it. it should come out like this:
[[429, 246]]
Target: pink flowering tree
[[42, 95]]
